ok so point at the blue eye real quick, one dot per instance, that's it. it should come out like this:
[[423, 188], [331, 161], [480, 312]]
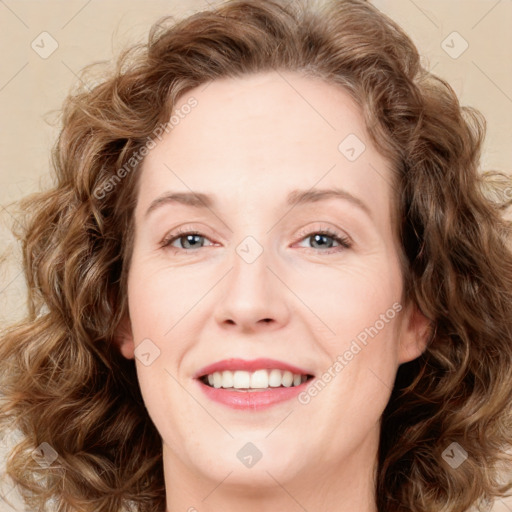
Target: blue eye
[[319, 237], [192, 239]]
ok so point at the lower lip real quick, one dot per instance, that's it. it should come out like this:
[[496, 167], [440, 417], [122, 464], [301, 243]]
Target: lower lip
[[252, 400]]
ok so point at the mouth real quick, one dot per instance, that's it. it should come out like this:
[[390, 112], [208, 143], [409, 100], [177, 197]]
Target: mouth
[[252, 385], [259, 380]]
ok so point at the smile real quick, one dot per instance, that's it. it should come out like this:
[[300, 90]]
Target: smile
[[252, 385], [241, 380]]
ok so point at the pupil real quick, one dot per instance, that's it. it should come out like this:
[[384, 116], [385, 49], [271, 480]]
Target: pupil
[[317, 237], [189, 237]]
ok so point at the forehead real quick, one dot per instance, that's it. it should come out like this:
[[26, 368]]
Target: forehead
[[262, 135], [253, 109]]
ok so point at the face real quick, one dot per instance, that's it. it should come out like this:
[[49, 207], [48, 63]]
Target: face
[[273, 270]]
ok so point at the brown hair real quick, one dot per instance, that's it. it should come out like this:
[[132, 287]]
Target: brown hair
[[65, 383]]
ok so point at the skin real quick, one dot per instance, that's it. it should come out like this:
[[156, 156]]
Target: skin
[[249, 142]]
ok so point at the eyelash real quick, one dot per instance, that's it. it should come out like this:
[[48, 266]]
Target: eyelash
[[343, 241]]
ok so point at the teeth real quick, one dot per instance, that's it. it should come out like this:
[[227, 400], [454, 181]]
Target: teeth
[[287, 379], [240, 380], [275, 378], [260, 379], [217, 380]]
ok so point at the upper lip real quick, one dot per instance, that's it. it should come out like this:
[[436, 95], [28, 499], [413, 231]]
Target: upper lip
[[249, 366]]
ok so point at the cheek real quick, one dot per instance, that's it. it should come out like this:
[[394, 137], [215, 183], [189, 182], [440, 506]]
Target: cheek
[[156, 298], [348, 299], [358, 309], [152, 313], [362, 307]]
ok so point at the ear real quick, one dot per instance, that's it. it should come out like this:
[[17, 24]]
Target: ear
[[123, 338], [415, 330]]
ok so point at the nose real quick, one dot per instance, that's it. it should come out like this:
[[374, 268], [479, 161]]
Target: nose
[[253, 296]]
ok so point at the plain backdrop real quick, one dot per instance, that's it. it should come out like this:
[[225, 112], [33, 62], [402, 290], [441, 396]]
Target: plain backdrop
[[45, 43]]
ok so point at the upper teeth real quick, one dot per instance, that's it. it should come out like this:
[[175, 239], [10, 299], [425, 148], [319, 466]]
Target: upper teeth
[[259, 379]]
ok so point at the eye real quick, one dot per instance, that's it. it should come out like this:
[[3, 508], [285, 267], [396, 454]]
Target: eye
[[190, 240], [184, 237], [321, 239]]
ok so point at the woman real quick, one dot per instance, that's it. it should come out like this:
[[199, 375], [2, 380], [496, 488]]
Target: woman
[[193, 344]]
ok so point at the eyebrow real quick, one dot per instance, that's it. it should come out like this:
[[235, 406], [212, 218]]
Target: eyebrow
[[295, 198]]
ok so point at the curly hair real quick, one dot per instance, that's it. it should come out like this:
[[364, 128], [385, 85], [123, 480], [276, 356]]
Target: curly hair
[[64, 381]]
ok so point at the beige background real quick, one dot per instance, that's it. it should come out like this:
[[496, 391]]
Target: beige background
[[31, 87]]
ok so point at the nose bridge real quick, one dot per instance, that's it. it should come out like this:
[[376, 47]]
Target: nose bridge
[[252, 293]]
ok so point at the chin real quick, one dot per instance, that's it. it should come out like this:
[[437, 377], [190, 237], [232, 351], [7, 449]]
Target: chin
[[251, 461]]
